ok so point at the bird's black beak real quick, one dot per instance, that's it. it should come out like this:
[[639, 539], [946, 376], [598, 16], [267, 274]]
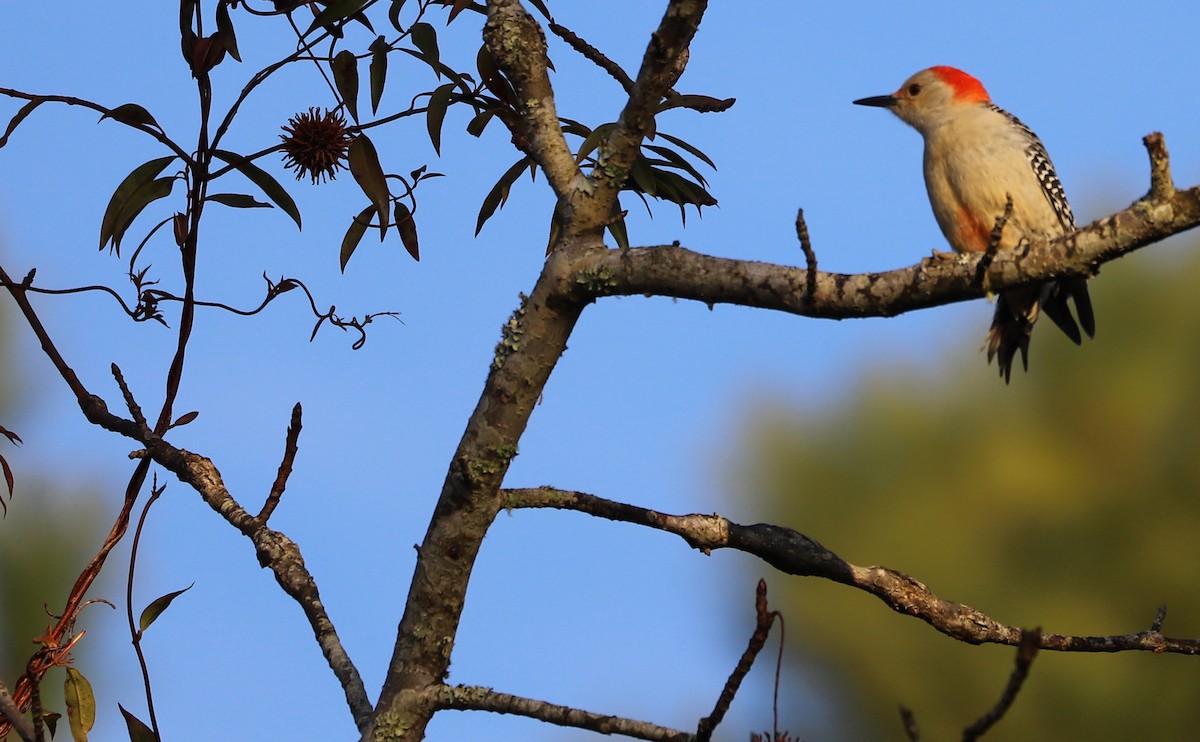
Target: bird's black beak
[[879, 101]]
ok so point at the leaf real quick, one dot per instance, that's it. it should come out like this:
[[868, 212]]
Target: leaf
[[354, 235], [51, 720], [345, 77], [476, 126], [185, 418], [541, 6], [141, 198], [225, 30], [499, 193], [131, 114], [334, 12], [138, 731], [616, 227], [81, 704], [238, 201], [259, 177], [675, 159], [16, 120], [394, 14], [408, 230], [365, 167], [425, 39], [157, 606], [141, 175], [439, 101], [379, 51], [690, 149]]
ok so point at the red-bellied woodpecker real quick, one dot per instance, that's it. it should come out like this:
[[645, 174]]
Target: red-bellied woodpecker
[[977, 157]]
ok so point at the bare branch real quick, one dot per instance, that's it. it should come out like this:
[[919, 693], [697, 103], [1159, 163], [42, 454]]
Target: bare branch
[[794, 553], [475, 698], [675, 271], [1026, 651], [762, 627], [662, 64], [1162, 187], [290, 447], [9, 710]]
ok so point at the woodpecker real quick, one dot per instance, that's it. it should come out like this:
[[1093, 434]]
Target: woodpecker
[[977, 156]]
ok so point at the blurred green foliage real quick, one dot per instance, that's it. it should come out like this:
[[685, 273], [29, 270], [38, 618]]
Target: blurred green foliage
[[1069, 500], [46, 537]]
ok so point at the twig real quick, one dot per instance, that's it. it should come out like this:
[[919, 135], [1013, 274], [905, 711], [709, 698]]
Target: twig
[[1026, 652], [762, 627], [1161, 184], [797, 554], [134, 631], [9, 710], [810, 257], [476, 698], [290, 447]]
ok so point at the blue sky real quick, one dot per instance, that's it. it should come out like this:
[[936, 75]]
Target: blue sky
[[644, 407]]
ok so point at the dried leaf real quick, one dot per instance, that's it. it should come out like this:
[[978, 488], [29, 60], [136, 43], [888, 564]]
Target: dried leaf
[[225, 29], [425, 39], [132, 114], [16, 120], [408, 230], [259, 177], [354, 235], [365, 167], [185, 418], [345, 77], [439, 101], [379, 51]]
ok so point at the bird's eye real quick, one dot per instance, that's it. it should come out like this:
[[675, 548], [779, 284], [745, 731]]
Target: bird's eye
[[914, 89]]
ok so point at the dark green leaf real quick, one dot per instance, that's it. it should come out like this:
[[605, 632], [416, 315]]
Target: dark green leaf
[[225, 29], [379, 52], [141, 198], [81, 704], [439, 101], [17, 119], [425, 39], [140, 176], [676, 160], [365, 167], [499, 193], [394, 14], [138, 731], [689, 148], [132, 113], [334, 12], [345, 77], [642, 176], [238, 201], [259, 177], [157, 606], [408, 230], [354, 234]]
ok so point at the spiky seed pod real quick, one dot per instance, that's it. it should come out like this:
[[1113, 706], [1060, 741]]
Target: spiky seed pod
[[315, 144]]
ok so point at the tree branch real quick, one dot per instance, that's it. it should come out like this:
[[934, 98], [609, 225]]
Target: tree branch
[[516, 42], [475, 698], [684, 274], [662, 64], [797, 554]]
